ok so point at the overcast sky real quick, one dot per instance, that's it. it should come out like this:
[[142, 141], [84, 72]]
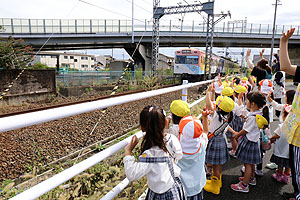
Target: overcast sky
[[256, 11]]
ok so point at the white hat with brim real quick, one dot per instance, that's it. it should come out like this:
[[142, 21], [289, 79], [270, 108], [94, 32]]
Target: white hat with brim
[[190, 135]]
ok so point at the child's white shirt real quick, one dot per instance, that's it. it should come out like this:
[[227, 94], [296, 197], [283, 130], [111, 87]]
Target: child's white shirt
[[174, 130], [250, 125], [279, 107], [159, 178], [281, 146]]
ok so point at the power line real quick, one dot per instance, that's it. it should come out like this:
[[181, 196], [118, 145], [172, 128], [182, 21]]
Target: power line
[[88, 3]]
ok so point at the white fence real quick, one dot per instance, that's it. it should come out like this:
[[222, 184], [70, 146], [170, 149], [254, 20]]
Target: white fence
[[14, 122]]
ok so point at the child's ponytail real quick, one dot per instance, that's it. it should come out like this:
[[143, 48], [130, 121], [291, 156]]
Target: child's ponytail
[[265, 114]]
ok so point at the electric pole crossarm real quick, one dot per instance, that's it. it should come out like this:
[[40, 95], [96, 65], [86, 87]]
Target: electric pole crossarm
[[207, 7]]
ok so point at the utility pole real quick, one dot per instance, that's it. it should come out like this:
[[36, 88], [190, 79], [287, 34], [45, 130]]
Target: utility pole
[[132, 23], [274, 22]]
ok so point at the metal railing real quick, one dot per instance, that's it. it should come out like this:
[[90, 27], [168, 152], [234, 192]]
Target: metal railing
[[15, 122], [94, 26]]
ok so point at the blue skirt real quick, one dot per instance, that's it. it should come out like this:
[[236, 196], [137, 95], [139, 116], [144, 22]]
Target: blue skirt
[[198, 196], [236, 124], [281, 162], [216, 151], [177, 192], [248, 151]]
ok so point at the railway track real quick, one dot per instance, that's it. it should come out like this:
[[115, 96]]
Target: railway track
[[77, 102], [59, 140]]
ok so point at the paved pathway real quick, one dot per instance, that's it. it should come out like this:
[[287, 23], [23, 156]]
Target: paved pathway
[[266, 189]]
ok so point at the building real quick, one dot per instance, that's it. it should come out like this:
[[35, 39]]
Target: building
[[82, 62], [165, 62]]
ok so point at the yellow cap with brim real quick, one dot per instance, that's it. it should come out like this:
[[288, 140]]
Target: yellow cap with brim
[[225, 103], [225, 84], [239, 88], [227, 91], [261, 121], [244, 79], [180, 108]]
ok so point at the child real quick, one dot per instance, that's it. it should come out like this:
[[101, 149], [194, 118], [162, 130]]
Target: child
[[159, 154], [248, 150], [193, 140], [216, 152], [281, 147], [179, 109], [278, 86], [236, 123]]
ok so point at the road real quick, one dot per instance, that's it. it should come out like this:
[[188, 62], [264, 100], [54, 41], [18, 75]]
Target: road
[[267, 188]]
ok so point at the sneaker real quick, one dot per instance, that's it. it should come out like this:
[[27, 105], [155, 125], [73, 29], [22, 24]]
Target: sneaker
[[259, 172], [286, 178], [278, 177], [232, 153], [271, 166], [251, 182], [239, 187]]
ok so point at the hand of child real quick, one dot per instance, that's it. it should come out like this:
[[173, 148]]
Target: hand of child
[[206, 112], [286, 36], [261, 53], [241, 95], [248, 52], [134, 141], [236, 135], [209, 89], [269, 95], [272, 140]]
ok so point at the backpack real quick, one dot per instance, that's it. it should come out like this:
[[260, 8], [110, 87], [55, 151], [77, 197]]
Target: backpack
[[268, 76]]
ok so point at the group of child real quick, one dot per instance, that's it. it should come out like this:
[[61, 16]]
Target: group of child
[[176, 158]]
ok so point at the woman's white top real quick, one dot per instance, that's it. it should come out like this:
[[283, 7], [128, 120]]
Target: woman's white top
[[159, 178], [281, 146], [251, 127]]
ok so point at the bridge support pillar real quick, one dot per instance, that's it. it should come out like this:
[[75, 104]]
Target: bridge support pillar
[[294, 53], [142, 56]]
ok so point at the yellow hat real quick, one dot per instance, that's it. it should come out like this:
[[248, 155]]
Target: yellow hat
[[227, 91], [180, 108], [239, 88], [254, 79], [225, 103], [244, 79], [261, 121], [225, 84]]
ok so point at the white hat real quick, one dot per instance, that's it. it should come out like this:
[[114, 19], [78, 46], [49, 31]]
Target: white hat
[[190, 129], [265, 86], [218, 87]]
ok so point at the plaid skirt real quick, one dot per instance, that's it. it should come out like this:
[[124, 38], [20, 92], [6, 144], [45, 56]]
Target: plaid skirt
[[281, 162], [216, 151], [176, 192], [236, 124], [248, 151], [198, 196]]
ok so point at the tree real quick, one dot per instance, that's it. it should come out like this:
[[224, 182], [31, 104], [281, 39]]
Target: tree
[[14, 54]]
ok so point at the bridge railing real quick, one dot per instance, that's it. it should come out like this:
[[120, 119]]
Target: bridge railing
[[103, 26], [14, 122]]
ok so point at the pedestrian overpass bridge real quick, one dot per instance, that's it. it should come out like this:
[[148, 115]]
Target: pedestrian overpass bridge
[[72, 34]]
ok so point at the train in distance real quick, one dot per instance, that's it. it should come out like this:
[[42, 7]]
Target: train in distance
[[190, 64]]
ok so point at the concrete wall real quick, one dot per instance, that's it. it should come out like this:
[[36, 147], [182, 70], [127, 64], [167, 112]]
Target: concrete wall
[[35, 84]]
